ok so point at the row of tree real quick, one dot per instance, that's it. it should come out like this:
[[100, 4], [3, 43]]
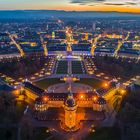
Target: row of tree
[[129, 116], [22, 67], [123, 67]]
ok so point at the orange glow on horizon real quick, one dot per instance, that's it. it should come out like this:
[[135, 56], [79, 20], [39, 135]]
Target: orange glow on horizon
[[67, 5], [102, 8]]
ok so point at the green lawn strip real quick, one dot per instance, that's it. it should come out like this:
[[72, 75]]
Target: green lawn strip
[[76, 67], [44, 84], [62, 67], [94, 83]]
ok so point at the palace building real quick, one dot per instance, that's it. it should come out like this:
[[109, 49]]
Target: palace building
[[69, 103]]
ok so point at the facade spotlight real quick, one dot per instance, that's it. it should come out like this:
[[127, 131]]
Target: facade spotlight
[[45, 99], [122, 91], [81, 96], [106, 85], [95, 98]]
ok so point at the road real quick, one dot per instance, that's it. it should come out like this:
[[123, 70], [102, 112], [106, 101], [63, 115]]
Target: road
[[63, 75]]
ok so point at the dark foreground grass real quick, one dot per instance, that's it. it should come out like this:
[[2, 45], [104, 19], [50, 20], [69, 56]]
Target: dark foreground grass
[[106, 133], [13, 116], [8, 134]]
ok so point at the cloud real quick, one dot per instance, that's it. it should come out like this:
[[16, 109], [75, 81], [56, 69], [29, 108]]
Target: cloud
[[119, 4], [122, 2], [86, 1], [107, 2], [131, 3]]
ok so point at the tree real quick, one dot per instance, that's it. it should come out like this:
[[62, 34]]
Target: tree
[[8, 135]]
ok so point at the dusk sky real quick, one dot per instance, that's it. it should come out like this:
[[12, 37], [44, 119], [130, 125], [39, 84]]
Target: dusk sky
[[70, 5]]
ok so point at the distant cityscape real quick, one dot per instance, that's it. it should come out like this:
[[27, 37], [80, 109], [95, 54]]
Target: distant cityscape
[[69, 75]]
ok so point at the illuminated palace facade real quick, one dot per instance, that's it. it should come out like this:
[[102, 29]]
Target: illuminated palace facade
[[69, 102]]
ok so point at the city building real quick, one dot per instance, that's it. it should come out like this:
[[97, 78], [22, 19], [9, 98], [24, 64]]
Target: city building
[[70, 103]]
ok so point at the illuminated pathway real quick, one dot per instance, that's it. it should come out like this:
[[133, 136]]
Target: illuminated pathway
[[94, 45], [120, 43], [69, 67], [17, 45], [44, 46]]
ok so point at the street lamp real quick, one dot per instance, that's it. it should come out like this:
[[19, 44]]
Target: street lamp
[[82, 96], [105, 85], [122, 91], [95, 98], [45, 99]]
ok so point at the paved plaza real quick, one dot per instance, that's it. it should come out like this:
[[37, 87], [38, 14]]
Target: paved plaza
[[64, 88]]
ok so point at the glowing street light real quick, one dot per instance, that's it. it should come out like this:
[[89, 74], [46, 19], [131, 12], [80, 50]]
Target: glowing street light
[[81, 96], [122, 91], [47, 131], [45, 99], [106, 85], [95, 98]]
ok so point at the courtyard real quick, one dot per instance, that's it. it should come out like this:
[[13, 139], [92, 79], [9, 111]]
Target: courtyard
[[50, 82]]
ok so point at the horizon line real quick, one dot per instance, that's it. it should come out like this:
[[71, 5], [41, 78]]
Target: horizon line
[[69, 10]]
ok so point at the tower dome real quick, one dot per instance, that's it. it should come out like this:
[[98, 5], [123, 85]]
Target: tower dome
[[70, 102]]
